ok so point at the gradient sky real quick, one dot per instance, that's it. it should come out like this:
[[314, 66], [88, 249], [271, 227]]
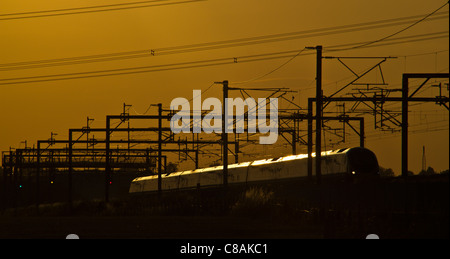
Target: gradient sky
[[31, 111]]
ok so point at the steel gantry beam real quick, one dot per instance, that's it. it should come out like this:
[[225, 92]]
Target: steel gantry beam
[[310, 118], [441, 100], [404, 100], [225, 90], [321, 99], [160, 129], [66, 155]]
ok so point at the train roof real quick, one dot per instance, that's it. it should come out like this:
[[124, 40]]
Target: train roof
[[246, 164]]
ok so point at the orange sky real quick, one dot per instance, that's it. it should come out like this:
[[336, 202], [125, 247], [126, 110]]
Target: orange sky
[[31, 111]]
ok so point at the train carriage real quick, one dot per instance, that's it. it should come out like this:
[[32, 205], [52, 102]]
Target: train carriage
[[346, 162]]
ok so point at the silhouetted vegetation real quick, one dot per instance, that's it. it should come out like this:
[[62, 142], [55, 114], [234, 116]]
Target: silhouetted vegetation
[[386, 172], [429, 171], [171, 168], [253, 202]]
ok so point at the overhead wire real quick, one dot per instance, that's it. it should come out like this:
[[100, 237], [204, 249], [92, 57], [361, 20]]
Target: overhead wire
[[197, 63], [270, 72], [413, 128], [153, 68], [83, 10], [397, 32], [80, 8], [406, 39], [181, 65], [177, 66], [209, 45], [291, 35]]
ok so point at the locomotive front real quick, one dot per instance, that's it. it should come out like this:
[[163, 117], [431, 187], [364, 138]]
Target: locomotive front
[[362, 162]]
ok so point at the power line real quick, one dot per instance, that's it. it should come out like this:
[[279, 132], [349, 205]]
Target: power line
[[272, 71], [406, 39], [127, 71], [211, 45], [186, 65], [424, 53], [298, 34], [397, 32], [438, 35], [82, 10]]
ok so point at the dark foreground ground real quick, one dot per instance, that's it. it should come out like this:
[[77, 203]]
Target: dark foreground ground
[[152, 227], [182, 227], [391, 209]]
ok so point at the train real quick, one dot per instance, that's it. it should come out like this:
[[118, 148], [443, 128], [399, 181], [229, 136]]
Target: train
[[355, 162]]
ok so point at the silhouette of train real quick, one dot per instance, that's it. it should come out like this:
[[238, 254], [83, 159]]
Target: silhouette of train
[[347, 163]]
